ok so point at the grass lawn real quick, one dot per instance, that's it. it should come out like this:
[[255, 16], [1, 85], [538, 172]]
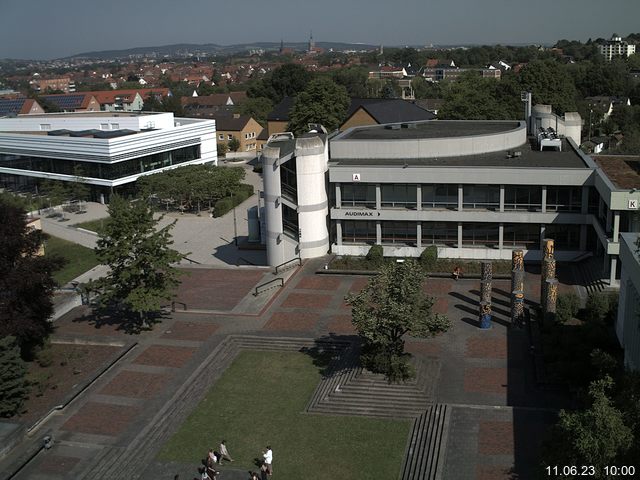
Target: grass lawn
[[259, 401], [79, 258], [93, 225]]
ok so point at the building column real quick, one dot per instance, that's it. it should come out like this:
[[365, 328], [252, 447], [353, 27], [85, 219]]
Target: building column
[[583, 238], [378, 233], [339, 232], [544, 199], [338, 195], [609, 222], [542, 234], [460, 198], [419, 234], [501, 202], [616, 226], [584, 206], [612, 272], [459, 234], [419, 197], [500, 235], [378, 197]]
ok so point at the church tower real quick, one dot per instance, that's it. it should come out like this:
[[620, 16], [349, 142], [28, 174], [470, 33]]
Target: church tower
[[312, 43]]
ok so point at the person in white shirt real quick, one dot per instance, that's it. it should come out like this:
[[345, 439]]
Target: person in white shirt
[[224, 453], [267, 454]]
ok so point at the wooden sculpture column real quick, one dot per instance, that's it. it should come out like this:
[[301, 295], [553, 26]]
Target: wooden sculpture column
[[485, 294], [517, 287]]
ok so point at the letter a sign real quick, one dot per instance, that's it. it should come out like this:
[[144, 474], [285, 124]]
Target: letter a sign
[[355, 177]]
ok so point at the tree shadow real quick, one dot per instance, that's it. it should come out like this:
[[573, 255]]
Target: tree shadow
[[121, 320], [328, 350], [472, 308]]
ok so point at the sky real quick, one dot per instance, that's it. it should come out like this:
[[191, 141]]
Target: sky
[[39, 29]]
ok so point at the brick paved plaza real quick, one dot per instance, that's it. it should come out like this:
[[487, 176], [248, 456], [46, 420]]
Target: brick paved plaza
[[484, 376]]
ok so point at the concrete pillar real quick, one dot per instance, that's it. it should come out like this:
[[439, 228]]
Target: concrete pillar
[[338, 196], [378, 233], [616, 226], [419, 234], [583, 238], [378, 197], [339, 232], [544, 199], [500, 236], [501, 199], [460, 197], [612, 272], [542, 233], [609, 222], [419, 197], [459, 235], [584, 205]]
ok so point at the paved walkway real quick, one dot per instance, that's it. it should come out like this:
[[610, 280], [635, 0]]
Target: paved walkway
[[485, 377]]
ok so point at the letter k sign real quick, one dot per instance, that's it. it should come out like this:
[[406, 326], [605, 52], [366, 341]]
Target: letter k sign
[[633, 204]]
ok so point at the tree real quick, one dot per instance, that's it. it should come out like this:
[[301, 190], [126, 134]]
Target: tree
[[322, 102], [78, 188], [550, 84], [391, 306], [140, 259], [257, 108], [26, 282], [13, 385], [233, 144], [596, 436], [285, 81], [354, 79]]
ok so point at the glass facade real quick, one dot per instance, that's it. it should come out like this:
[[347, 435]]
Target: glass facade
[[106, 171], [289, 180], [440, 233], [566, 237], [523, 198], [480, 234], [564, 199], [358, 195], [358, 232], [399, 195], [399, 232], [521, 235], [290, 221], [484, 197], [439, 196]]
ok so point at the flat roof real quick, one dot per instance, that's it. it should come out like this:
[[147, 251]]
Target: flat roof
[[430, 129], [88, 114], [529, 158], [622, 170]]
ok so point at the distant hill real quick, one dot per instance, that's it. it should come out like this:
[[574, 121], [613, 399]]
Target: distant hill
[[212, 48]]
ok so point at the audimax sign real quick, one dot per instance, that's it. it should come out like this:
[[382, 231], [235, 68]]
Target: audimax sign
[[361, 213]]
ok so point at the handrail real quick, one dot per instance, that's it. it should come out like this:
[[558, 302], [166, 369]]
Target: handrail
[[256, 292], [297, 259], [244, 260]]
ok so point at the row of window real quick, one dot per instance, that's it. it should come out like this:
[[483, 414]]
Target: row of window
[[247, 136], [107, 171], [567, 237], [485, 197]]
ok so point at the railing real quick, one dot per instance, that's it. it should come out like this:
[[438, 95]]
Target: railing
[[244, 260], [276, 282], [280, 267]]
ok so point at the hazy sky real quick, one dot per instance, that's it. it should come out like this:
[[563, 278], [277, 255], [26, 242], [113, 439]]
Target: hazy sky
[[42, 29]]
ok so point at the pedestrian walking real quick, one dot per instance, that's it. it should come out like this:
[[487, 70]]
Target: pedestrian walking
[[267, 455], [224, 453]]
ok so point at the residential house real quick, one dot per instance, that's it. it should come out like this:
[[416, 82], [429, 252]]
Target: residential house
[[74, 102], [604, 105], [65, 84], [242, 127], [616, 47], [12, 107], [212, 105]]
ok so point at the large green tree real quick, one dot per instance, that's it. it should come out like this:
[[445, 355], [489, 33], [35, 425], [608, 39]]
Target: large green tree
[[391, 306], [596, 436], [257, 108], [13, 385], [285, 81], [321, 102], [141, 261], [26, 282], [550, 84]]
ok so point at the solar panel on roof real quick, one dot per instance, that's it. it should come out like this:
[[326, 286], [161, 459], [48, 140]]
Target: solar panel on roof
[[11, 106]]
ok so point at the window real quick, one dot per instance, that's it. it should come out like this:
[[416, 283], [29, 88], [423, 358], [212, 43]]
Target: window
[[398, 195], [399, 232], [104, 126], [355, 231], [524, 198], [358, 195], [484, 197], [45, 126], [521, 235], [440, 233], [289, 180], [115, 126], [229, 137], [439, 196], [564, 199], [566, 237], [221, 136], [480, 234]]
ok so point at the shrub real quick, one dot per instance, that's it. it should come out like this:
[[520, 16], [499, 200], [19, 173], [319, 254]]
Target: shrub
[[567, 306], [234, 144], [222, 206], [45, 358], [375, 255], [429, 258], [396, 368], [222, 149], [13, 385], [601, 306]]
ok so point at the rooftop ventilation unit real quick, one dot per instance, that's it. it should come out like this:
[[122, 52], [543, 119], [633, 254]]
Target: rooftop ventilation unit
[[393, 126]]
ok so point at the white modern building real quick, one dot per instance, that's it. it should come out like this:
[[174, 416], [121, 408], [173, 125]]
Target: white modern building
[[112, 149], [616, 47], [474, 189], [628, 321]]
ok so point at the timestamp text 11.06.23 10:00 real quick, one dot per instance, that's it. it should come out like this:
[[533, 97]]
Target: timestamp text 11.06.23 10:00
[[622, 471]]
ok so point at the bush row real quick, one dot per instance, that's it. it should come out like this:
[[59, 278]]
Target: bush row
[[224, 205]]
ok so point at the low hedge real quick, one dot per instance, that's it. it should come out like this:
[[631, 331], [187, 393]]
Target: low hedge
[[441, 265], [225, 204]]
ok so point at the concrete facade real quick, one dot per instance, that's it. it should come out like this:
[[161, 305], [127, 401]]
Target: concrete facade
[[628, 321]]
